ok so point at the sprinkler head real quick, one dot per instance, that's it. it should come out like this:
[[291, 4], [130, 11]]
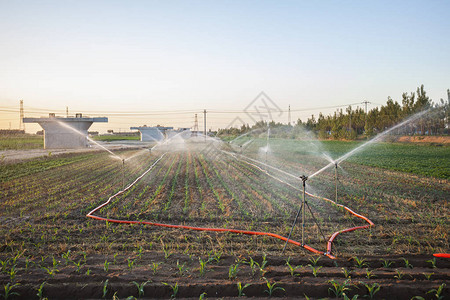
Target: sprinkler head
[[335, 164], [304, 178], [123, 161]]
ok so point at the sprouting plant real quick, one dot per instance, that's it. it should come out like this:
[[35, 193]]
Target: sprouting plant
[[386, 263], [314, 261], [428, 275], [88, 272], [106, 265], [360, 262], [140, 287], [399, 275], [50, 271], [181, 268], [271, 287], [115, 258], [372, 289], [54, 262], [140, 250], [202, 296], [315, 270], [215, 256], [253, 265], [105, 288], [233, 271], [347, 273], [8, 291], [155, 267], [28, 262], [174, 289], [79, 264], [4, 264], [369, 274], [432, 262], [292, 268], [437, 292], [338, 289], [131, 263], [66, 257], [202, 266], [407, 264], [167, 253], [241, 288], [12, 273], [40, 292]]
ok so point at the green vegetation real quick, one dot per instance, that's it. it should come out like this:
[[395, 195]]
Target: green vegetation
[[21, 142], [111, 138]]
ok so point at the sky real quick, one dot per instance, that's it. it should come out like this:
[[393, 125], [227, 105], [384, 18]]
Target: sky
[[160, 62]]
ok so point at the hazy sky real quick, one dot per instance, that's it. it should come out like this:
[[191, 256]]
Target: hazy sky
[[99, 57]]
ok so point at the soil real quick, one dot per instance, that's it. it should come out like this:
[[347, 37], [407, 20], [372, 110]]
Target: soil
[[425, 139], [215, 282]]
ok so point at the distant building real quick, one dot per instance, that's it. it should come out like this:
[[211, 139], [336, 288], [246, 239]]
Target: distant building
[[152, 134]]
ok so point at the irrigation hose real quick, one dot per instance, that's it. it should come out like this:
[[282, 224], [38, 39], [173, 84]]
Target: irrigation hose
[[237, 231]]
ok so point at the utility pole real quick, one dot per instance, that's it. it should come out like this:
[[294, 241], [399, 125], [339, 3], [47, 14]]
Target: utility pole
[[22, 125], [365, 123], [67, 111], [289, 115], [196, 126], [204, 119]]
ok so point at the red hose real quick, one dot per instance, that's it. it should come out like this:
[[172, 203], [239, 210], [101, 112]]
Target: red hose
[[247, 232], [443, 255]]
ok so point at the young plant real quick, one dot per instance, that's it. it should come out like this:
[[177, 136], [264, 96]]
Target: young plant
[[386, 263], [360, 262], [12, 273], [181, 268], [437, 292], [79, 264], [174, 289], [271, 287], [407, 264], [314, 261], [338, 289], [399, 275], [131, 264], [253, 265], [140, 287], [66, 257], [8, 291], [432, 262], [292, 268], [369, 274], [40, 293], [241, 288], [155, 267], [428, 275], [372, 289], [202, 296], [105, 288], [202, 266], [106, 266], [347, 273], [315, 270], [233, 271]]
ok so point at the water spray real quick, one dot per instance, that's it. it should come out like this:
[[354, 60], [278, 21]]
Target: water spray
[[123, 173], [336, 180]]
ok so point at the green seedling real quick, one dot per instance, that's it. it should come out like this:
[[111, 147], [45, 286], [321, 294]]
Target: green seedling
[[369, 274], [437, 292], [360, 262], [181, 268], [271, 287], [131, 263], [12, 273], [155, 267], [314, 261], [399, 275], [140, 287], [106, 266], [372, 289], [8, 291], [292, 268], [386, 263], [233, 271], [174, 289], [315, 270], [79, 265], [105, 288], [40, 293], [51, 271], [407, 264], [428, 275], [66, 257], [347, 273], [432, 262], [202, 266], [338, 289], [241, 288]]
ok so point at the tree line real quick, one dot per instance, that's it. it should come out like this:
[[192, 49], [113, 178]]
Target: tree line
[[352, 123]]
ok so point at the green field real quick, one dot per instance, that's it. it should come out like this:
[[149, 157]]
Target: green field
[[425, 160], [21, 142]]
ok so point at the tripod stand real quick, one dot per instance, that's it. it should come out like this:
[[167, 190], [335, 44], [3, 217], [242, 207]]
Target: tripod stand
[[302, 210]]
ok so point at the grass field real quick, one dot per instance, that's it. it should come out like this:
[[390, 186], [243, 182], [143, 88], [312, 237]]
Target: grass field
[[47, 237], [21, 142]]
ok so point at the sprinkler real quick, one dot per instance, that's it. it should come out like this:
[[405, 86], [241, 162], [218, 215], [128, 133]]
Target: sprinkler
[[123, 173], [336, 179], [303, 178]]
